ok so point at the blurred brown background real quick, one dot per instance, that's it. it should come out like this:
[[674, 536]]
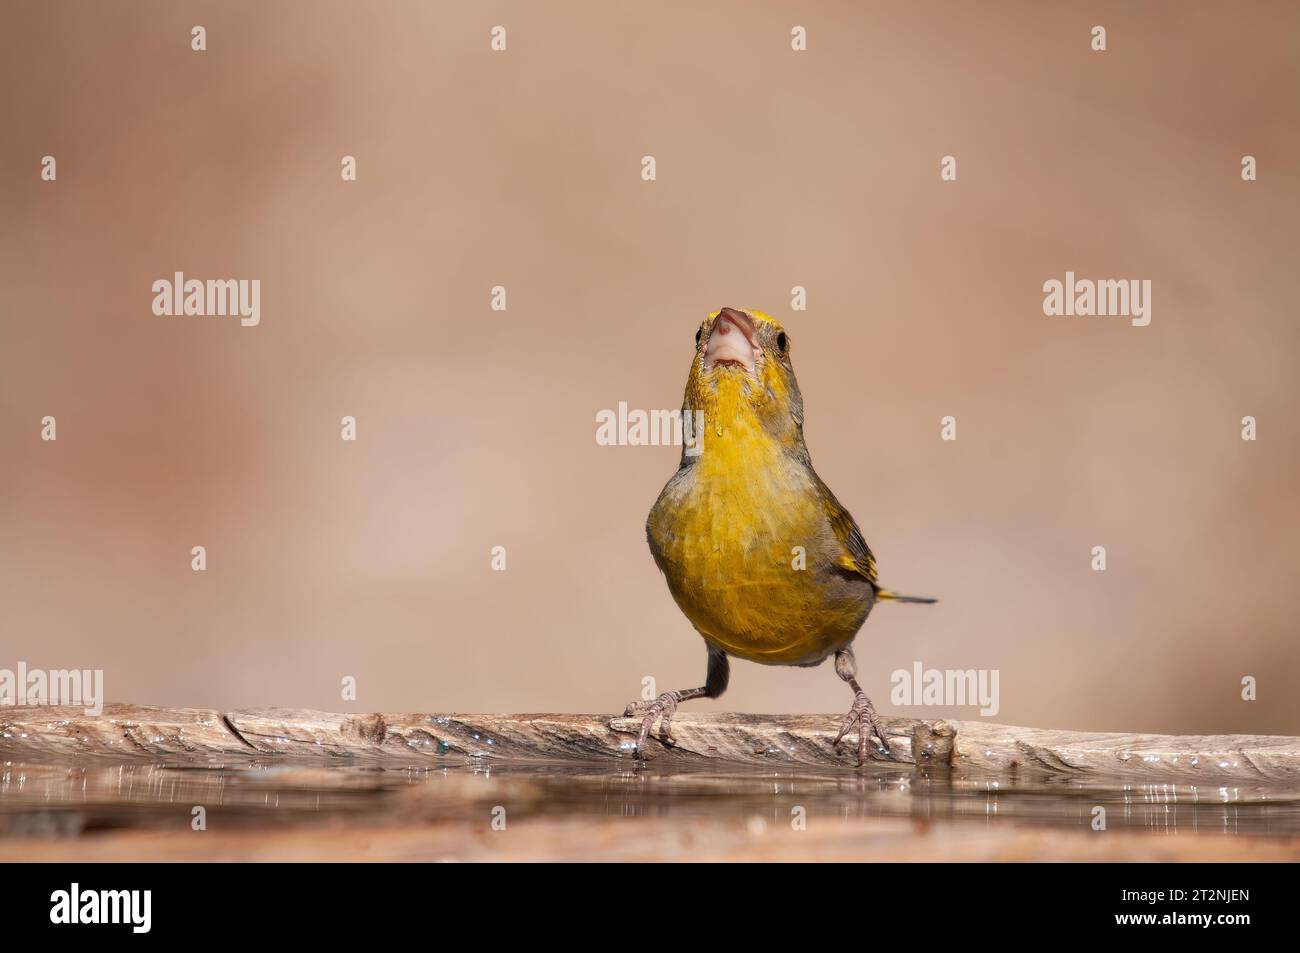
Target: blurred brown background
[[521, 168]]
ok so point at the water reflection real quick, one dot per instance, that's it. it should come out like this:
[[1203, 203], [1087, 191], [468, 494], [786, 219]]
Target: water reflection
[[62, 799]]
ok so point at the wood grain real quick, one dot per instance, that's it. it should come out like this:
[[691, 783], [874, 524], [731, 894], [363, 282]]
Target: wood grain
[[189, 734]]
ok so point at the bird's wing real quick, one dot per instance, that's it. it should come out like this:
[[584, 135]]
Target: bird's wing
[[855, 555]]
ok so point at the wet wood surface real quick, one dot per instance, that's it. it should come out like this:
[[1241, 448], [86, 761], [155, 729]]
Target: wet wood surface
[[187, 734], [287, 784]]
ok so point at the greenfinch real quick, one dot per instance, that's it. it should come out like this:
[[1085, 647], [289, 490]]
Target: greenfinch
[[758, 553]]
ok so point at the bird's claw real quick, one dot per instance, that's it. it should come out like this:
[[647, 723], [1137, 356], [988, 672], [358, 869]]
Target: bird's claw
[[863, 714], [662, 708]]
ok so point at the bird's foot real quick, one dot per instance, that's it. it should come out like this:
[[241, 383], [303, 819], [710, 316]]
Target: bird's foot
[[662, 708], [863, 714]]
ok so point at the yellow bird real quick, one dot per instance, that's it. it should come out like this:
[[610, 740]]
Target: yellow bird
[[758, 554]]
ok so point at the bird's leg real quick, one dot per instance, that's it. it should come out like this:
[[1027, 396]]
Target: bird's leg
[[665, 706], [863, 713]]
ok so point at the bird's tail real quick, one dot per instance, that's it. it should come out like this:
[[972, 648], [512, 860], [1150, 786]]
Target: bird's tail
[[885, 594]]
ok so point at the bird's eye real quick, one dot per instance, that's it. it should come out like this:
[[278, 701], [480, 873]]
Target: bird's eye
[[698, 332], [781, 342]]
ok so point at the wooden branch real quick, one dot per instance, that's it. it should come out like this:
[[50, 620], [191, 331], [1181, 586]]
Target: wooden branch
[[188, 734]]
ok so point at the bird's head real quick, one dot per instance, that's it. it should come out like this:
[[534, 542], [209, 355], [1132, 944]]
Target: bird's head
[[742, 373]]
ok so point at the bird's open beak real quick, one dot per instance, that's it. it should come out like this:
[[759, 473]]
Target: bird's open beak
[[732, 341]]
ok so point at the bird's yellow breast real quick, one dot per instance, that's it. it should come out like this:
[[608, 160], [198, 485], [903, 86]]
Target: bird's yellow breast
[[743, 539]]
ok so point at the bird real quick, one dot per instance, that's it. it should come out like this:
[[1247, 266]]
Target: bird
[[759, 555]]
